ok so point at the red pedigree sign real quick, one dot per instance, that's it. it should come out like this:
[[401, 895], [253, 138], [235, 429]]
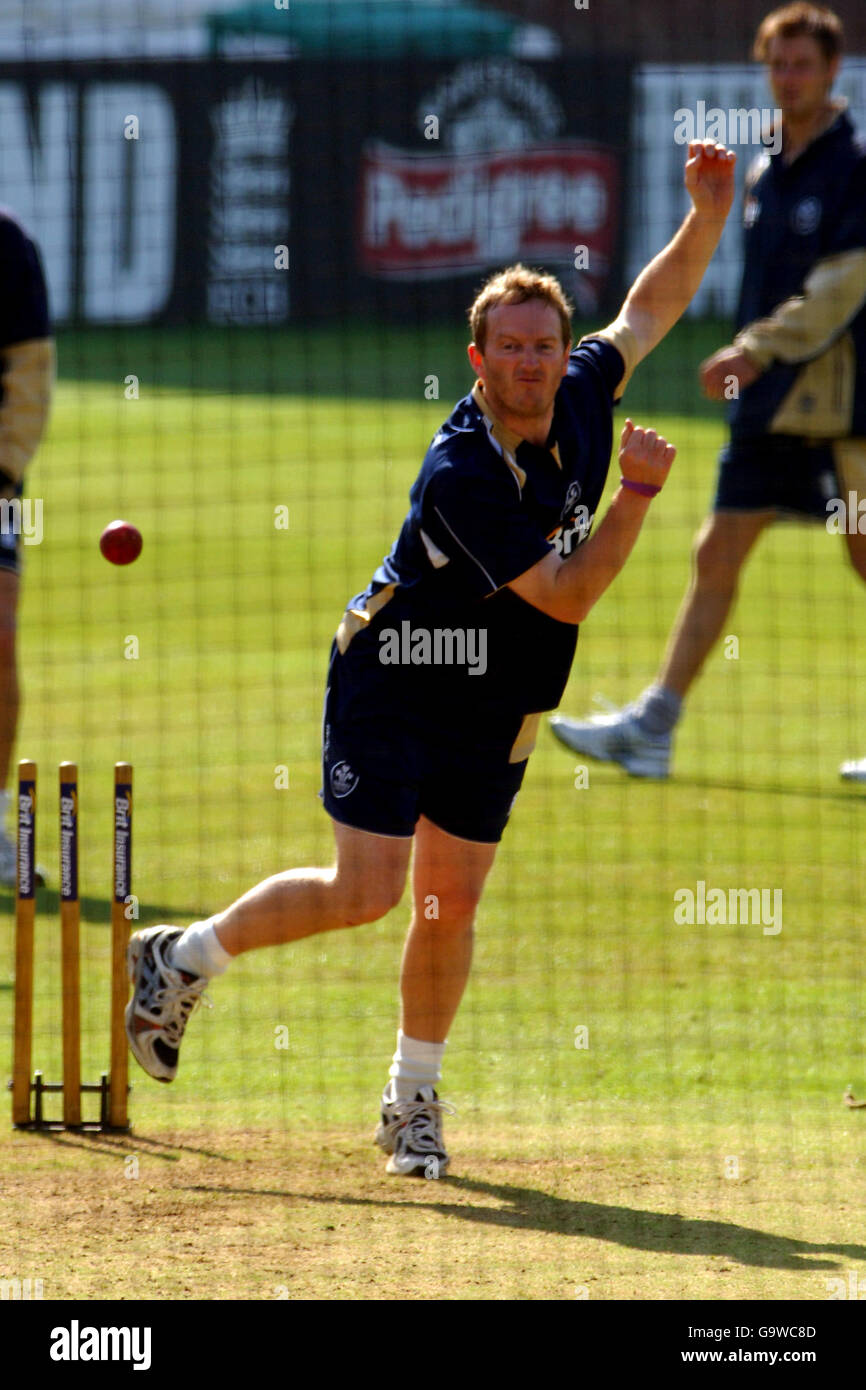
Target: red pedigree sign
[[424, 215]]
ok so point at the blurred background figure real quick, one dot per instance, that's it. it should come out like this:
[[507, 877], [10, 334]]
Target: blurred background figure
[[26, 377]]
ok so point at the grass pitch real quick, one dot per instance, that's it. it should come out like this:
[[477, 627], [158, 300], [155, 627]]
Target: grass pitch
[[647, 1110]]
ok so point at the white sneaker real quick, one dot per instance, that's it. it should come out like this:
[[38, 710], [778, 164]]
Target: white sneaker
[[163, 1001], [617, 738], [854, 771], [411, 1132], [9, 864]]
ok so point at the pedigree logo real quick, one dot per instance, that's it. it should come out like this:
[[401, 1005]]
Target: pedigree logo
[[500, 182]]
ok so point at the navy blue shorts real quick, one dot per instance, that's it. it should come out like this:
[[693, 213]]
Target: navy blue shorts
[[776, 473], [382, 770]]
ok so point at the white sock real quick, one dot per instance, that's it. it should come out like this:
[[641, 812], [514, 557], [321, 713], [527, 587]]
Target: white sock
[[415, 1064], [199, 952]]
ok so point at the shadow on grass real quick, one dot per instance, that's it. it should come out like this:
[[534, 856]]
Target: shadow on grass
[[529, 1209], [638, 1229], [97, 910], [729, 784], [608, 777], [112, 1144]]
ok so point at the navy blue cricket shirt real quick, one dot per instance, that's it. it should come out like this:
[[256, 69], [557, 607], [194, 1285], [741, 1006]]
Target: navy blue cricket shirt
[[481, 514], [794, 216], [25, 301]]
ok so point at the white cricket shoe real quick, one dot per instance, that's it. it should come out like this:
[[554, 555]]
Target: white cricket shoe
[[411, 1132], [616, 738], [854, 771], [9, 864], [163, 1001]]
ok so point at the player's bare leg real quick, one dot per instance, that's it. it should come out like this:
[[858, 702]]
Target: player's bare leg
[[9, 690], [366, 881], [855, 769], [9, 707], [170, 968], [448, 877], [640, 736], [721, 548], [856, 544]]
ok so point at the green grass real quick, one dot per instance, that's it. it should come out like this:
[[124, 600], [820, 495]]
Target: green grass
[[705, 1042]]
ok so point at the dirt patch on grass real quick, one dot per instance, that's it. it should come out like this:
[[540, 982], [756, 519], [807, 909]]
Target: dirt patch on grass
[[274, 1216]]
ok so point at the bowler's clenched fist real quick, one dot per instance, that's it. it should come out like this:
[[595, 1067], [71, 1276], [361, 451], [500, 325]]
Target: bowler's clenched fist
[[709, 178], [644, 455]]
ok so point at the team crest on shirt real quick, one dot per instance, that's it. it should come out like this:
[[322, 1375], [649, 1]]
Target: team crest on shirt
[[806, 216], [343, 779], [572, 497]]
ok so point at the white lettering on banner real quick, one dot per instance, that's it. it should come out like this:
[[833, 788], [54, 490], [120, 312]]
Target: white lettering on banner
[[426, 215], [250, 184], [128, 198], [235, 221], [657, 199], [127, 227], [523, 107], [37, 176], [243, 181]]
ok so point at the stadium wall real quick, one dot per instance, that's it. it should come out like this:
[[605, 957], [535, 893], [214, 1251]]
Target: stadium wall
[[261, 192]]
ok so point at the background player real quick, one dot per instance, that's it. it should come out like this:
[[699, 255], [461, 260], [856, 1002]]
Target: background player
[[494, 564], [27, 367], [798, 428]]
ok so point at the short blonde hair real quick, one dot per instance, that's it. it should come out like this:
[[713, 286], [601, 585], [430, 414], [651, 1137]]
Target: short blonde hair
[[515, 285], [799, 21]]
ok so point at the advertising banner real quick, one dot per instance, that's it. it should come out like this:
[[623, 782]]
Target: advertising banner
[[265, 192]]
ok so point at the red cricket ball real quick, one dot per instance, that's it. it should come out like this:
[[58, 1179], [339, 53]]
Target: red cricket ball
[[121, 542]]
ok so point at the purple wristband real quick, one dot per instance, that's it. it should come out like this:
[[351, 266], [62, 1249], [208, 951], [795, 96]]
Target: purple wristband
[[645, 489]]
